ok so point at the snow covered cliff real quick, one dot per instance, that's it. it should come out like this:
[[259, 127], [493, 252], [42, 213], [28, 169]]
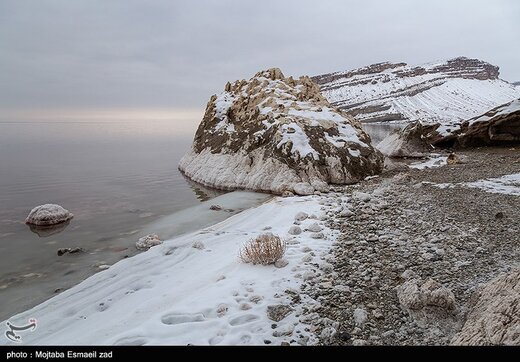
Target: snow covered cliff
[[278, 134], [446, 92]]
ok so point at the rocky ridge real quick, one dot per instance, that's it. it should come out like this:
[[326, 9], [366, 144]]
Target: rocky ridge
[[446, 92]]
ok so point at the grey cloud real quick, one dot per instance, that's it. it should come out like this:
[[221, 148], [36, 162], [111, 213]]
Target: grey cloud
[[98, 53]]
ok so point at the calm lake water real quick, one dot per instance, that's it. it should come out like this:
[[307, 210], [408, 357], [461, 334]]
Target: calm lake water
[[119, 179], [115, 177]]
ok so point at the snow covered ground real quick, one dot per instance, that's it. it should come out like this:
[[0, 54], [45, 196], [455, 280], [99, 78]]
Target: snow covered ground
[[508, 184], [434, 160], [193, 289]]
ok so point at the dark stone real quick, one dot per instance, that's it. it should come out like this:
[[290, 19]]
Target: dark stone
[[63, 251], [344, 336]]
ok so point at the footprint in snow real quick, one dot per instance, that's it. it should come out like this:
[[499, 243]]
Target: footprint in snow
[[243, 319], [215, 340], [101, 307], [218, 338], [245, 339], [173, 318], [169, 251], [131, 341]]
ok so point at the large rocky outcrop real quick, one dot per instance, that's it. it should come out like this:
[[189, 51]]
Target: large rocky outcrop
[[495, 316], [499, 126], [447, 92], [278, 134]]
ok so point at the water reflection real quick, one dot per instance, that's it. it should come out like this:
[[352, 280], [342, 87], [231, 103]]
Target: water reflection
[[203, 193], [48, 230]]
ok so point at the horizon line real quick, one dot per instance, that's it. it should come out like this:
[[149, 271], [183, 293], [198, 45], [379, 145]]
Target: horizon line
[[101, 114]]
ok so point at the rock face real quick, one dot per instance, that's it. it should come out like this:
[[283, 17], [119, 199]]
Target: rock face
[[278, 134], [48, 214], [495, 317], [411, 141], [447, 92], [499, 126]]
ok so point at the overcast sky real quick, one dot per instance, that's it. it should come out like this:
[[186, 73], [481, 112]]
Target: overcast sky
[[174, 54]]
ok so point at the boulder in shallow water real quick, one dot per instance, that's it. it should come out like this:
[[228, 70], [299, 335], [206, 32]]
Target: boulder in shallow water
[[48, 214], [277, 134], [148, 241]]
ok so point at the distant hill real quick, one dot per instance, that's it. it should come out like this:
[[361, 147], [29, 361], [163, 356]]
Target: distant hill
[[447, 92]]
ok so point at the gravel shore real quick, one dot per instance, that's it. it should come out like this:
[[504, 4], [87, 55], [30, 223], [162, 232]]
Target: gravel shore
[[401, 235]]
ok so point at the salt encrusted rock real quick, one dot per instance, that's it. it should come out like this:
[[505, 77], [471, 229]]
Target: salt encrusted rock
[[315, 228], [429, 294], [303, 189], [146, 242], [362, 196], [317, 236], [411, 141], [295, 230], [301, 216], [48, 214], [495, 316], [198, 245], [360, 316], [281, 263], [222, 309], [277, 134], [429, 303]]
